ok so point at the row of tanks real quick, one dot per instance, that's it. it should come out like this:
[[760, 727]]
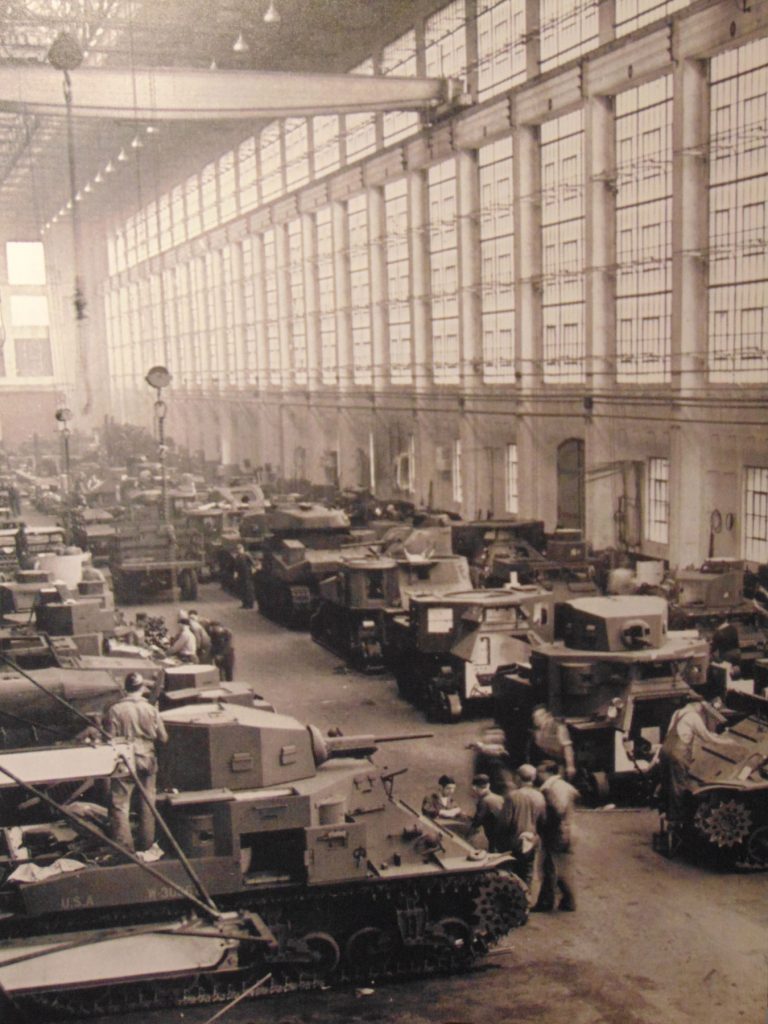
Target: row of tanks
[[287, 861]]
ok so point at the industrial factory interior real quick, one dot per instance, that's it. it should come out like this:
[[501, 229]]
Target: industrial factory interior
[[384, 511]]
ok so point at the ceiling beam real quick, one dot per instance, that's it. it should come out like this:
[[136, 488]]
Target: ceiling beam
[[175, 94]]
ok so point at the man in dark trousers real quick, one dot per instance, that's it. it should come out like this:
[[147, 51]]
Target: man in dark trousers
[[244, 576], [522, 823], [559, 871], [488, 811], [21, 541], [222, 650], [134, 718]]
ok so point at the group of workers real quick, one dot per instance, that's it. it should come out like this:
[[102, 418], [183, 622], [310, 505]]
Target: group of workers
[[531, 818]]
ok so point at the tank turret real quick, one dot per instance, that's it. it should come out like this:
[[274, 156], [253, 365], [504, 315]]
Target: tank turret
[[614, 675]]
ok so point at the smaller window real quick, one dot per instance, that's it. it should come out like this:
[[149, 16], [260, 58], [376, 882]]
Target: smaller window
[[458, 489], [29, 311], [658, 501], [26, 262], [512, 502]]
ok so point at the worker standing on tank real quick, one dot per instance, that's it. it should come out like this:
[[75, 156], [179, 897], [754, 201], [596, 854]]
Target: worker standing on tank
[[21, 541], [558, 836], [134, 718], [243, 572], [552, 740], [184, 645]]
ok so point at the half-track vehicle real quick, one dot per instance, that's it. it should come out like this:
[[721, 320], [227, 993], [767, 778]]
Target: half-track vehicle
[[723, 812], [350, 618], [445, 652], [306, 544], [614, 675], [287, 862]]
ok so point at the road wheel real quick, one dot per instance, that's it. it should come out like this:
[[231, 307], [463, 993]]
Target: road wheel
[[369, 951]]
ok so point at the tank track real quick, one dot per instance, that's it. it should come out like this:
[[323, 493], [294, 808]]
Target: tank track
[[284, 603], [380, 931]]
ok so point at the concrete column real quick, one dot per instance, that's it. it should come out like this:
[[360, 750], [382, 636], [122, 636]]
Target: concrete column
[[421, 318], [527, 210], [377, 234], [532, 38], [311, 300], [470, 305], [688, 485], [343, 290], [283, 306], [260, 311], [690, 224]]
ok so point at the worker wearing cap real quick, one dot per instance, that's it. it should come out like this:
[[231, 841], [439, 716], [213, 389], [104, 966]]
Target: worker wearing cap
[[134, 718], [522, 822], [184, 644]]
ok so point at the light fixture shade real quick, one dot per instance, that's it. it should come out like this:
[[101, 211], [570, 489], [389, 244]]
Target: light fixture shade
[[136, 143], [88, 187], [151, 129], [213, 66], [109, 169], [121, 156], [240, 45], [99, 178], [272, 15], [78, 197]]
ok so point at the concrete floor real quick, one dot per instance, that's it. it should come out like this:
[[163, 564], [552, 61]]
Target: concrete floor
[[653, 941]]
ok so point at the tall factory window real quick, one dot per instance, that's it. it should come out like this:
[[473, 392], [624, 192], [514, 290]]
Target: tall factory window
[[156, 320], [29, 324], [229, 268], [140, 228], [658, 501], [250, 357], [738, 194], [360, 129], [26, 263], [178, 216], [192, 197], [441, 185], [496, 260], [271, 158], [511, 496], [446, 43], [456, 480], [329, 353], [298, 324], [199, 292], [272, 310], [116, 341], [119, 255], [183, 323], [755, 541], [170, 324], [209, 197], [399, 58], [326, 149], [562, 220], [164, 225], [360, 285], [501, 60], [632, 14], [228, 194], [568, 28], [296, 152], [149, 216], [213, 295], [248, 174], [398, 282], [644, 231]]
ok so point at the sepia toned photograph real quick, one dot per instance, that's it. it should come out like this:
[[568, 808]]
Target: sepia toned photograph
[[384, 511]]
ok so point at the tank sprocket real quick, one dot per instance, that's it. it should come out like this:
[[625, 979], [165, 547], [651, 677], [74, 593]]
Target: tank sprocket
[[500, 904], [726, 823]]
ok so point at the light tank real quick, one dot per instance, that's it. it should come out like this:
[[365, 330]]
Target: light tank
[[614, 675], [724, 805], [306, 544], [287, 862]]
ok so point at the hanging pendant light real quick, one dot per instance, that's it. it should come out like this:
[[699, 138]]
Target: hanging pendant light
[[98, 179], [110, 168], [121, 156], [88, 187], [213, 66], [136, 143], [272, 15], [240, 45]]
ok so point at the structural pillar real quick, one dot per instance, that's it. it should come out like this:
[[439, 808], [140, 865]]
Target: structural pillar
[[377, 234]]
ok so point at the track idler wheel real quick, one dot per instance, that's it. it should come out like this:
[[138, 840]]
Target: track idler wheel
[[369, 951], [501, 904], [757, 848]]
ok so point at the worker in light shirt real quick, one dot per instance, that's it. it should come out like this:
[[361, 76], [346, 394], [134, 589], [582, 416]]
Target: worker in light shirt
[[184, 644]]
